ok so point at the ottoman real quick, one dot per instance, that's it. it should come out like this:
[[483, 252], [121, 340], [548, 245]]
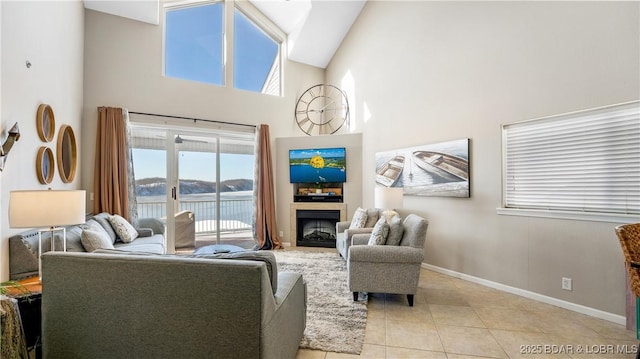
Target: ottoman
[[218, 248]]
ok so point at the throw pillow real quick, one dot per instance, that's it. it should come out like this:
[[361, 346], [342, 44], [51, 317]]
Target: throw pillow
[[359, 219], [380, 232], [123, 229], [396, 230], [372, 217], [93, 225], [388, 214], [103, 219], [93, 240]]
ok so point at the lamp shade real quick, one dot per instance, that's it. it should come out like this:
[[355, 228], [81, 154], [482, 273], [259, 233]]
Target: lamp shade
[[46, 208], [388, 197]]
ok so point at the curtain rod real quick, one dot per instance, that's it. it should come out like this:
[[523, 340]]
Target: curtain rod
[[191, 118]]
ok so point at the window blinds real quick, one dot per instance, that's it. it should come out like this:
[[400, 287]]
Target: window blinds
[[587, 161]]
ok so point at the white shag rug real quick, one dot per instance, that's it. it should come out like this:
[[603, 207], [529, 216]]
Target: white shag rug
[[335, 323]]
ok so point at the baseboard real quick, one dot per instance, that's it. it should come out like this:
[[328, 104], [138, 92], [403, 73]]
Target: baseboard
[[618, 319]]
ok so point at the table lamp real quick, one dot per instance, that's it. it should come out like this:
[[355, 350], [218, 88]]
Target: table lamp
[[388, 197], [47, 208]]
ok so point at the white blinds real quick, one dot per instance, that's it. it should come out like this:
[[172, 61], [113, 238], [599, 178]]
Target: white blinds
[[587, 161]]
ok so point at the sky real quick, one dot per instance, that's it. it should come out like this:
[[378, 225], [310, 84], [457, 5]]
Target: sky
[[194, 47], [194, 52]]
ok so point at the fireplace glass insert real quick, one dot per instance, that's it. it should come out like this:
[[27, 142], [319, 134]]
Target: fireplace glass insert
[[316, 228]]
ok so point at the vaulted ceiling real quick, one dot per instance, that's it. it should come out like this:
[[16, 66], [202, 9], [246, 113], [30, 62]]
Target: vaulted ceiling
[[315, 28]]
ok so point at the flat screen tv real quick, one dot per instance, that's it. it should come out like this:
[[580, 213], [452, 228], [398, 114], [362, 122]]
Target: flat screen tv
[[317, 165]]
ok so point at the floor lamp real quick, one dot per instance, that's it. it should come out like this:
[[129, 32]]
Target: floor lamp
[[47, 208]]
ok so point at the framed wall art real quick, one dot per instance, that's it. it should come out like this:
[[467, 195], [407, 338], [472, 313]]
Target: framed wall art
[[440, 169]]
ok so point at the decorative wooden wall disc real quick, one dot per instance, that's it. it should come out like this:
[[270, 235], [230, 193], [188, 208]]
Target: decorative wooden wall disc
[[45, 122], [45, 165]]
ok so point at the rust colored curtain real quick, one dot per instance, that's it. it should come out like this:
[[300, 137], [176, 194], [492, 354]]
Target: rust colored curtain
[[111, 175], [265, 229]]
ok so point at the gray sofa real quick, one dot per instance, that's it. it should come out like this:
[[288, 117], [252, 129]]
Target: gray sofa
[[23, 247], [105, 305]]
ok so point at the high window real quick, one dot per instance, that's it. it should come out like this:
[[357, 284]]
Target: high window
[[581, 165], [194, 43], [198, 46]]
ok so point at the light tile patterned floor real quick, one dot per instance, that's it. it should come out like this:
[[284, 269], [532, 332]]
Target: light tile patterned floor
[[457, 319]]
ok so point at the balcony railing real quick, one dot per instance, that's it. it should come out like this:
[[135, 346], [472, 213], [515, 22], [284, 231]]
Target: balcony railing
[[235, 214]]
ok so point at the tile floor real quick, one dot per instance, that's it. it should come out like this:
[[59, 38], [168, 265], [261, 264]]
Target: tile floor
[[457, 319]]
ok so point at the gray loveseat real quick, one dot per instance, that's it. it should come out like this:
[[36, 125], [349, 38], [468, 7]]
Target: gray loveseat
[[106, 305], [23, 247]]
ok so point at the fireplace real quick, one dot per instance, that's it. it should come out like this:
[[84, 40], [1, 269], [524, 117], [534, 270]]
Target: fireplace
[[316, 228]]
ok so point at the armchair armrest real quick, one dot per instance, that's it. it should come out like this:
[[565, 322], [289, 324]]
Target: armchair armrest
[[349, 233], [386, 254], [360, 239], [155, 224], [145, 232], [342, 226]]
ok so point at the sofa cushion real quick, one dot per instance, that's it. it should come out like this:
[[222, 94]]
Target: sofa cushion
[[93, 225], [372, 217], [380, 232], [262, 256], [92, 240], [395, 231], [388, 214], [359, 219], [73, 239], [125, 231], [103, 220], [154, 244]]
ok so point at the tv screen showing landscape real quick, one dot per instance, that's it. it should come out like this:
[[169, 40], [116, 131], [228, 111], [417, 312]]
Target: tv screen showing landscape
[[317, 165]]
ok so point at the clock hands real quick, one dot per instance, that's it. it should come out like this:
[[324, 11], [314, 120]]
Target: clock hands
[[321, 110], [325, 106]]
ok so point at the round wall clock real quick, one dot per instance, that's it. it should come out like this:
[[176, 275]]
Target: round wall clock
[[45, 122], [322, 110]]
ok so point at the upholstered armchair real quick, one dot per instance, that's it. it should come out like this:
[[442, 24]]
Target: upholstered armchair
[[388, 268], [344, 233]]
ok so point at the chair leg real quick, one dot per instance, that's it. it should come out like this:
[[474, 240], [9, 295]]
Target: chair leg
[[355, 296], [410, 299]]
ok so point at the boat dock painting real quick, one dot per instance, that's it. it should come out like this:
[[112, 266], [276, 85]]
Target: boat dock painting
[[440, 169]]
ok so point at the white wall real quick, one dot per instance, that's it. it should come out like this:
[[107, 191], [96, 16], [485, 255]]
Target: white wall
[[123, 68], [50, 36], [426, 72]]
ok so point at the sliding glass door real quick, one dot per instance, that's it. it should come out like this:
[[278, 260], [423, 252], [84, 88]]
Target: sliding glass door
[[199, 181]]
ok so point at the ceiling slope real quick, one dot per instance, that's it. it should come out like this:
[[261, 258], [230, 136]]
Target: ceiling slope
[[141, 10], [315, 28]]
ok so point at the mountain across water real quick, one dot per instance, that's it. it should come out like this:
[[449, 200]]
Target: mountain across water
[[156, 186]]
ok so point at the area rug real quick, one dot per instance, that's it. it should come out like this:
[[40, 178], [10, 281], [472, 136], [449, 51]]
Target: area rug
[[335, 323]]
